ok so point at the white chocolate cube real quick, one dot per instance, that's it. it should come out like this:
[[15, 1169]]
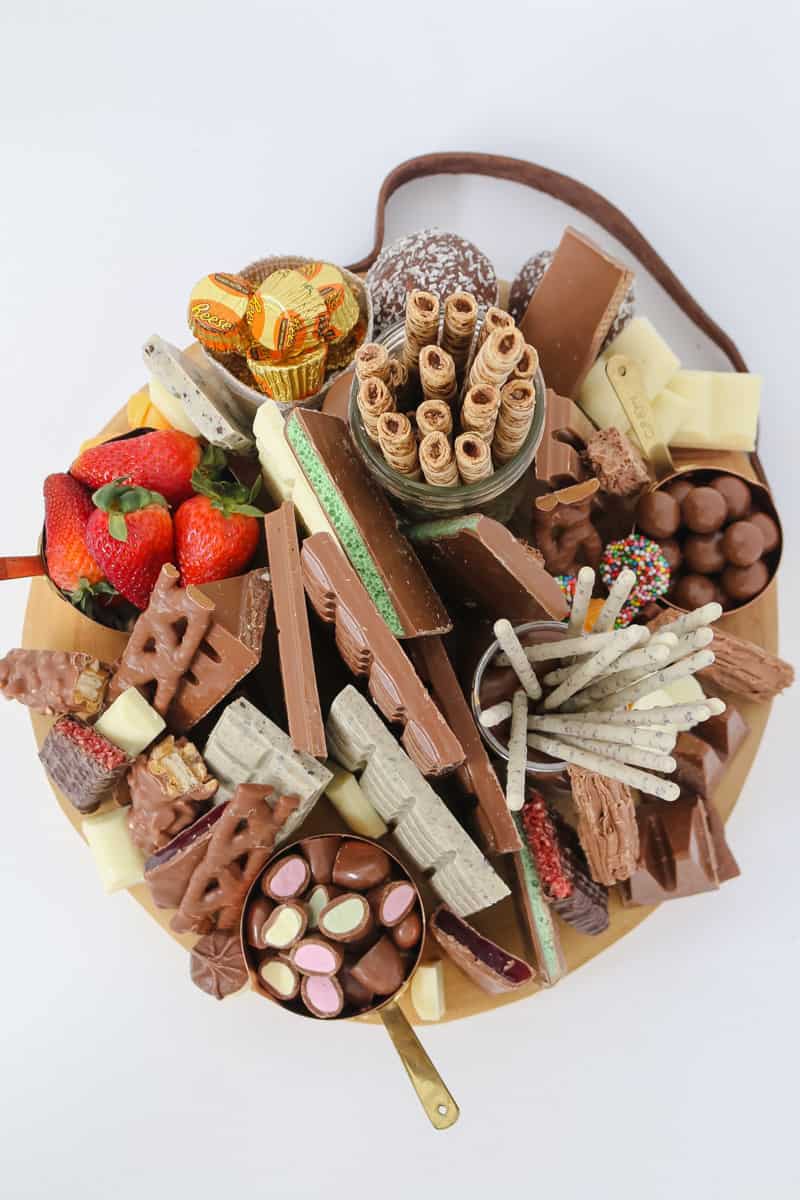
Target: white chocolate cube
[[282, 473], [427, 991], [669, 411], [119, 862], [722, 410], [346, 796], [657, 364], [130, 722]]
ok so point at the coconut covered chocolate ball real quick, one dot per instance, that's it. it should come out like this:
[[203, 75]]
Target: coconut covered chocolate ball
[[658, 514], [704, 510], [735, 493], [431, 260]]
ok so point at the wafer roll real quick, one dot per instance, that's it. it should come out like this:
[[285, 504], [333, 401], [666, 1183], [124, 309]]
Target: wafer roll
[[422, 326], [517, 401], [434, 416], [528, 365], [460, 316], [374, 399], [496, 318], [372, 361], [479, 411], [396, 376], [437, 461], [437, 374], [473, 458], [398, 444], [497, 357]]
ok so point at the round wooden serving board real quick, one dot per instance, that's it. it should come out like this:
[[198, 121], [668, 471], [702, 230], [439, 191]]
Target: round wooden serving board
[[52, 623]]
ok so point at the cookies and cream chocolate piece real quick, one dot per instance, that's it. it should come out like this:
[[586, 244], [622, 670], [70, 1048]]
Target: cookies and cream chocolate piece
[[217, 965], [369, 648], [130, 722], [427, 992], [246, 747], [422, 824], [616, 463], [82, 763], [365, 526], [169, 789], [281, 471], [484, 558], [345, 794], [55, 681], [721, 409], [571, 311], [657, 364], [119, 863], [606, 825], [294, 635], [493, 969], [683, 852], [191, 395]]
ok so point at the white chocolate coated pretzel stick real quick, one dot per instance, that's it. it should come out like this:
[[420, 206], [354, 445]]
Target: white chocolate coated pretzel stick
[[651, 785], [584, 586], [496, 714], [647, 759], [652, 658], [649, 656], [545, 651], [517, 752], [504, 632], [674, 715], [652, 683], [698, 639], [688, 622], [589, 669], [620, 590], [629, 735]]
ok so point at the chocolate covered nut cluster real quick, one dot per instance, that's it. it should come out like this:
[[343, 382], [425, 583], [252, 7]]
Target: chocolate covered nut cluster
[[333, 927]]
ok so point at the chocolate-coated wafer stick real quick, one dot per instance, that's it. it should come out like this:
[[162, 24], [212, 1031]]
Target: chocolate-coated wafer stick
[[517, 752], [496, 714], [652, 683], [589, 669], [648, 759], [688, 622], [675, 715], [648, 738], [512, 647], [632, 776], [584, 586], [620, 590], [543, 651]]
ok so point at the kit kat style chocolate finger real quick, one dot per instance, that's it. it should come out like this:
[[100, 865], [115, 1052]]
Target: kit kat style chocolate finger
[[365, 526], [294, 636], [493, 969], [55, 681], [368, 648]]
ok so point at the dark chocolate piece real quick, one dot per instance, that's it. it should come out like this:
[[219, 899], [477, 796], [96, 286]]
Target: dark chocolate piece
[[493, 969], [83, 764], [360, 866], [677, 856], [55, 681], [217, 965], [294, 636]]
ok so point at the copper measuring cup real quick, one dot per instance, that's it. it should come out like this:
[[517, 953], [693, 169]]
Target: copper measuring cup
[[440, 1107]]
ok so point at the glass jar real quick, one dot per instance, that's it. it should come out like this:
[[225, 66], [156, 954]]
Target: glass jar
[[497, 496], [529, 634]]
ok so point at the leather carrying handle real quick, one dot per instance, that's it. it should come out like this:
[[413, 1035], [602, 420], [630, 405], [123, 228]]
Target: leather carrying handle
[[572, 192]]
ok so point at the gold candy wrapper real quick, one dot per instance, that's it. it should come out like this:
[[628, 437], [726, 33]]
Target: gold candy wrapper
[[288, 380], [217, 313], [286, 315], [341, 304], [342, 352]]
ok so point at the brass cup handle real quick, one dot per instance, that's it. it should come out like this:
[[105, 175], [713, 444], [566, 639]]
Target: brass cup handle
[[440, 1107]]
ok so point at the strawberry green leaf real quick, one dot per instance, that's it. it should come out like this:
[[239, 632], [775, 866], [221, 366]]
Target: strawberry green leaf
[[117, 527], [228, 498]]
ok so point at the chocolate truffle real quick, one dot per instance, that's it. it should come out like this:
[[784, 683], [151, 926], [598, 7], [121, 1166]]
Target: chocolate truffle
[[693, 591], [672, 552], [742, 543], [658, 514], [530, 275], [434, 261], [742, 583], [702, 553], [704, 510], [769, 530], [735, 493], [679, 488]]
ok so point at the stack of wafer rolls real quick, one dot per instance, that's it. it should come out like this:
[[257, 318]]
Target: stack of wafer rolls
[[422, 326], [437, 461], [480, 410], [496, 318], [372, 361], [528, 364], [396, 439], [497, 357], [473, 458], [437, 374], [374, 399], [434, 416], [517, 400], [460, 318]]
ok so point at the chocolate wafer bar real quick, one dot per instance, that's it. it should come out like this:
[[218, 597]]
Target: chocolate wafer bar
[[490, 564], [368, 648], [536, 915], [294, 636], [55, 681], [573, 308], [83, 764], [365, 526], [420, 821], [568, 888]]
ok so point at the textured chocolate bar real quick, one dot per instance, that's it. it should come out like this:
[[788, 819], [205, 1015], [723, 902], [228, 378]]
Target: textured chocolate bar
[[55, 681], [294, 636], [483, 558], [606, 825], [83, 764], [678, 854], [422, 824], [369, 648]]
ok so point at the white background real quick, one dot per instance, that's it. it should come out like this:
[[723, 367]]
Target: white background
[[144, 145]]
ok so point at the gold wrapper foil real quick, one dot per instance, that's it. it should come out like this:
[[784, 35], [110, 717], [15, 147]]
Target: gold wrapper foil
[[342, 352], [218, 310], [290, 379], [340, 303], [287, 315]]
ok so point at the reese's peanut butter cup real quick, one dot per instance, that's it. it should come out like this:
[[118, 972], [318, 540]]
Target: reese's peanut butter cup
[[287, 315], [288, 379], [217, 312], [340, 303], [342, 351]]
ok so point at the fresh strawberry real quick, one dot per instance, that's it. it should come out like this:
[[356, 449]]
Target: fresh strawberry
[[67, 509], [162, 461], [216, 532], [130, 534]]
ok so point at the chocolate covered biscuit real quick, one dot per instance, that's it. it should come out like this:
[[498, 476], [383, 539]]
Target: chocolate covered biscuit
[[169, 788], [82, 763], [55, 681], [568, 888]]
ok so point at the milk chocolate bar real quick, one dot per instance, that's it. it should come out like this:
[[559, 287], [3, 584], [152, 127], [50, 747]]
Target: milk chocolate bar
[[294, 636], [678, 854], [246, 747], [476, 776], [703, 754], [55, 681], [369, 648], [573, 308], [365, 526], [169, 870], [566, 433], [241, 606], [82, 763], [490, 564], [421, 822], [493, 969]]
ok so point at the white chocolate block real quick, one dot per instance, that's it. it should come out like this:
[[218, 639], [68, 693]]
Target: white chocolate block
[[211, 409], [422, 823], [130, 722], [722, 410], [669, 411], [119, 862], [657, 364], [171, 408], [682, 691], [346, 796], [282, 473], [427, 991]]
